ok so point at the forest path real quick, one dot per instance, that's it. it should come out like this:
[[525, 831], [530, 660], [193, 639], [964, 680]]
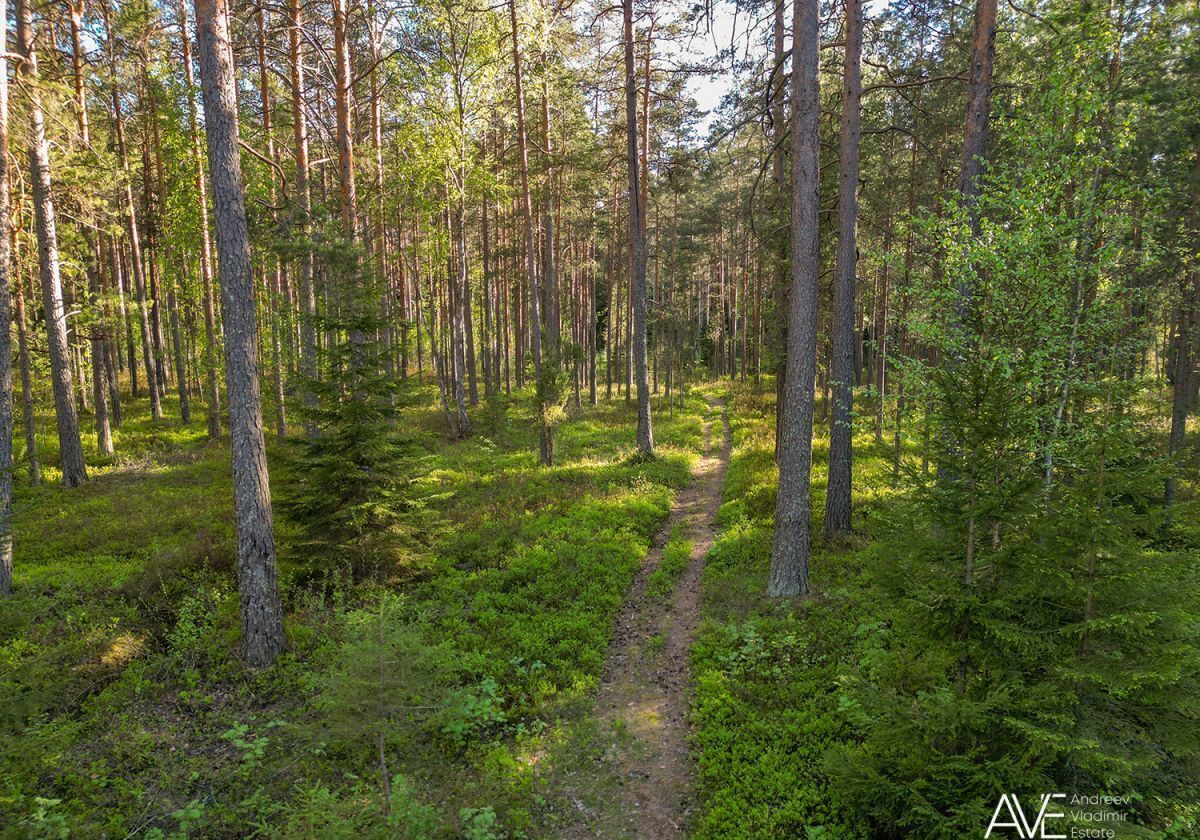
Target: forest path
[[643, 777]]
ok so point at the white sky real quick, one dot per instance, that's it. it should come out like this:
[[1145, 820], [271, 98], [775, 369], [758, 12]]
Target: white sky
[[726, 28]]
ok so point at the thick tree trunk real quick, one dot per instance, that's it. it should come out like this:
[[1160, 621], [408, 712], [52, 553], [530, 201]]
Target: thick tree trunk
[[790, 548], [262, 612], [838, 492], [637, 242], [74, 470], [979, 94]]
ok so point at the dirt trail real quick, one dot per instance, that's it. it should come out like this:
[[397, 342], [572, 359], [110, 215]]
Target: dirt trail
[[642, 702]]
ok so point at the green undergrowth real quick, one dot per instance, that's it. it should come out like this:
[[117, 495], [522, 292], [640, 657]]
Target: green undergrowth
[[128, 712], [676, 554], [765, 700], [777, 683]]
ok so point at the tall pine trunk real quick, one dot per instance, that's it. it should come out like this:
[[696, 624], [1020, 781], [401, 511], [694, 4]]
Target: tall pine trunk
[[6, 389], [837, 498], [74, 471], [535, 320], [262, 612], [637, 243], [790, 546], [308, 299], [136, 266], [211, 380], [100, 329]]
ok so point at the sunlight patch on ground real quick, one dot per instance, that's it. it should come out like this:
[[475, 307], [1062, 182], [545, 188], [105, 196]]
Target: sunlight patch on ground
[[643, 716], [122, 649]]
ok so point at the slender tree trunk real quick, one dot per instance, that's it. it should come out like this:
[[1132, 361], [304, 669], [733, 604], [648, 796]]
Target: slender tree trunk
[[637, 240], [535, 319], [1185, 344], [100, 329], [459, 313], [308, 299], [883, 346], [491, 365], [790, 548], [6, 389], [28, 417], [115, 256], [378, 243], [781, 237], [838, 492], [552, 348], [151, 220], [275, 290], [343, 100], [181, 385], [136, 266], [74, 470], [262, 612]]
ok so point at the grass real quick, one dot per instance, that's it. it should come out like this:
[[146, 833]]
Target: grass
[[128, 711]]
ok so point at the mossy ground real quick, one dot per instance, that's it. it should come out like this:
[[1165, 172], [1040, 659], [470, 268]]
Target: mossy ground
[[127, 710], [768, 699]]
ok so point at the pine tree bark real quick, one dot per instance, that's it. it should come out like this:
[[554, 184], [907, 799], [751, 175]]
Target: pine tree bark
[[100, 329], [552, 347], [838, 492], [28, 419], [345, 135], [308, 299], [151, 221], [637, 243], [535, 319], [262, 612], [779, 264], [6, 389], [211, 377], [975, 133], [1187, 331], [136, 266], [275, 292], [74, 470], [790, 546]]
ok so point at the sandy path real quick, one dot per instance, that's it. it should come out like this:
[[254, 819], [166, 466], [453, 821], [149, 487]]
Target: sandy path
[[643, 695]]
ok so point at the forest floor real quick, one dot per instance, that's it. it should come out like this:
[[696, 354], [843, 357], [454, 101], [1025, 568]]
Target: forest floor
[[127, 712], [642, 703], [567, 655]]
